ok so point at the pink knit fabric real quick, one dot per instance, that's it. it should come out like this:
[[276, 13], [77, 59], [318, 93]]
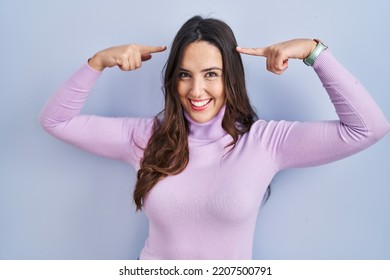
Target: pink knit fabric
[[209, 210]]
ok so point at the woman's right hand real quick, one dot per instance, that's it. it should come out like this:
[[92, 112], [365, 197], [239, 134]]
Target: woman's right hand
[[126, 57]]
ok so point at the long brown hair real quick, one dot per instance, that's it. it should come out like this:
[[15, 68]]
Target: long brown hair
[[167, 151]]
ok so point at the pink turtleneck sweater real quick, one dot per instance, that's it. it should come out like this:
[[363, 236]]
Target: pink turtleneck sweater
[[209, 210]]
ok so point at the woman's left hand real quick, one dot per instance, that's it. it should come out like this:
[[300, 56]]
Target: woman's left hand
[[278, 55]]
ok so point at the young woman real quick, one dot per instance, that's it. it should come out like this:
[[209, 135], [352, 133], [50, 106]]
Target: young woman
[[205, 162]]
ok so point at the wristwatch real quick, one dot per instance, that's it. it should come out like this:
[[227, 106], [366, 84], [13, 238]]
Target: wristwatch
[[309, 61]]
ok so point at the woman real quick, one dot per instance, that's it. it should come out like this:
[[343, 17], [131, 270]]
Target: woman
[[205, 162]]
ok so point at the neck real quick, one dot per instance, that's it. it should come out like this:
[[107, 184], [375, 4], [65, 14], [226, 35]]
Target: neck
[[210, 130]]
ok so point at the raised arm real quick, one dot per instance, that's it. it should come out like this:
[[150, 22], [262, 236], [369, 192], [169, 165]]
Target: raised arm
[[298, 144], [110, 137]]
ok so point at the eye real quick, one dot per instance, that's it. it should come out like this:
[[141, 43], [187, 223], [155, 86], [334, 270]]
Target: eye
[[211, 74], [184, 75]]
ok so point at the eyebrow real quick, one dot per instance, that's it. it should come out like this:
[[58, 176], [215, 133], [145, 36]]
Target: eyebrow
[[204, 70]]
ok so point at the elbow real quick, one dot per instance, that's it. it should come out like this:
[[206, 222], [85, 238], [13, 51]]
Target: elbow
[[47, 123], [366, 135], [382, 128], [377, 131], [42, 120]]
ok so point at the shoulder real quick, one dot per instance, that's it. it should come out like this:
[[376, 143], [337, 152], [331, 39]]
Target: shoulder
[[263, 126], [140, 128], [270, 130]]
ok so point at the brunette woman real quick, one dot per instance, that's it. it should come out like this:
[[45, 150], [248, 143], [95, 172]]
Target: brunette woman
[[205, 162]]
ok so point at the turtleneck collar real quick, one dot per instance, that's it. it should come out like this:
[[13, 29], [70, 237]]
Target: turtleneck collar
[[211, 130]]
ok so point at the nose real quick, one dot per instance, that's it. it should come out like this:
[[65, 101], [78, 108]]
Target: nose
[[197, 88]]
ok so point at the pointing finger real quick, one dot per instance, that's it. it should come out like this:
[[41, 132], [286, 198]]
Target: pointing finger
[[151, 49], [252, 51]]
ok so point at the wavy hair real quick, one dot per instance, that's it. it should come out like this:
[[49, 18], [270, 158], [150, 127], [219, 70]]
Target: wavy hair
[[167, 151]]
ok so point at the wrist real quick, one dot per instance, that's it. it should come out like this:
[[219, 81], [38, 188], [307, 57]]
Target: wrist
[[316, 51], [96, 63], [313, 45]]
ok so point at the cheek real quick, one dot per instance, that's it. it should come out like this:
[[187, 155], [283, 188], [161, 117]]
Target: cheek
[[219, 91], [182, 90]]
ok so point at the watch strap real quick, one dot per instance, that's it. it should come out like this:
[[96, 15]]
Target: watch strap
[[309, 61]]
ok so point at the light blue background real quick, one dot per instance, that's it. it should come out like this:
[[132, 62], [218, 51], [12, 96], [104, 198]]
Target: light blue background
[[58, 202]]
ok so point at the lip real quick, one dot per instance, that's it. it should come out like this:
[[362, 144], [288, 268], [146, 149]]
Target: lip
[[198, 108]]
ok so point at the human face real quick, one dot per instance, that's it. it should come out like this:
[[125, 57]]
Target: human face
[[201, 85]]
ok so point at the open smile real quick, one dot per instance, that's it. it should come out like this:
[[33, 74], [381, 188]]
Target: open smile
[[200, 104]]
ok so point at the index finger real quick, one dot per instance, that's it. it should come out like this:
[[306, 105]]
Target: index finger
[[252, 51], [151, 49]]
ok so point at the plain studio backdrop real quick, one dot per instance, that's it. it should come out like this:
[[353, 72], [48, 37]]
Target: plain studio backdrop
[[59, 202]]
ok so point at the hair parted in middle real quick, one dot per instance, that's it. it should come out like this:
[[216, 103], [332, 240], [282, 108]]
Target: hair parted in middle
[[167, 151]]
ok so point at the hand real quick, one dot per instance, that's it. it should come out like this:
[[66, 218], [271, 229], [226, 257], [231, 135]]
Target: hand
[[278, 55], [126, 57]]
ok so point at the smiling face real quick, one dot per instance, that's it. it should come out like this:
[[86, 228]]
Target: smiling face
[[200, 82]]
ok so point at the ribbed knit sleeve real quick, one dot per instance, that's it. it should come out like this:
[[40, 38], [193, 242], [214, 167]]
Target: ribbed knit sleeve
[[117, 138], [361, 123]]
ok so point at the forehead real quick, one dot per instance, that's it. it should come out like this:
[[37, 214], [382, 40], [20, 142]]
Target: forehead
[[201, 55]]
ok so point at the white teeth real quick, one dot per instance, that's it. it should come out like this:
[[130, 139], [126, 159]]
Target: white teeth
[[200, 103]]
